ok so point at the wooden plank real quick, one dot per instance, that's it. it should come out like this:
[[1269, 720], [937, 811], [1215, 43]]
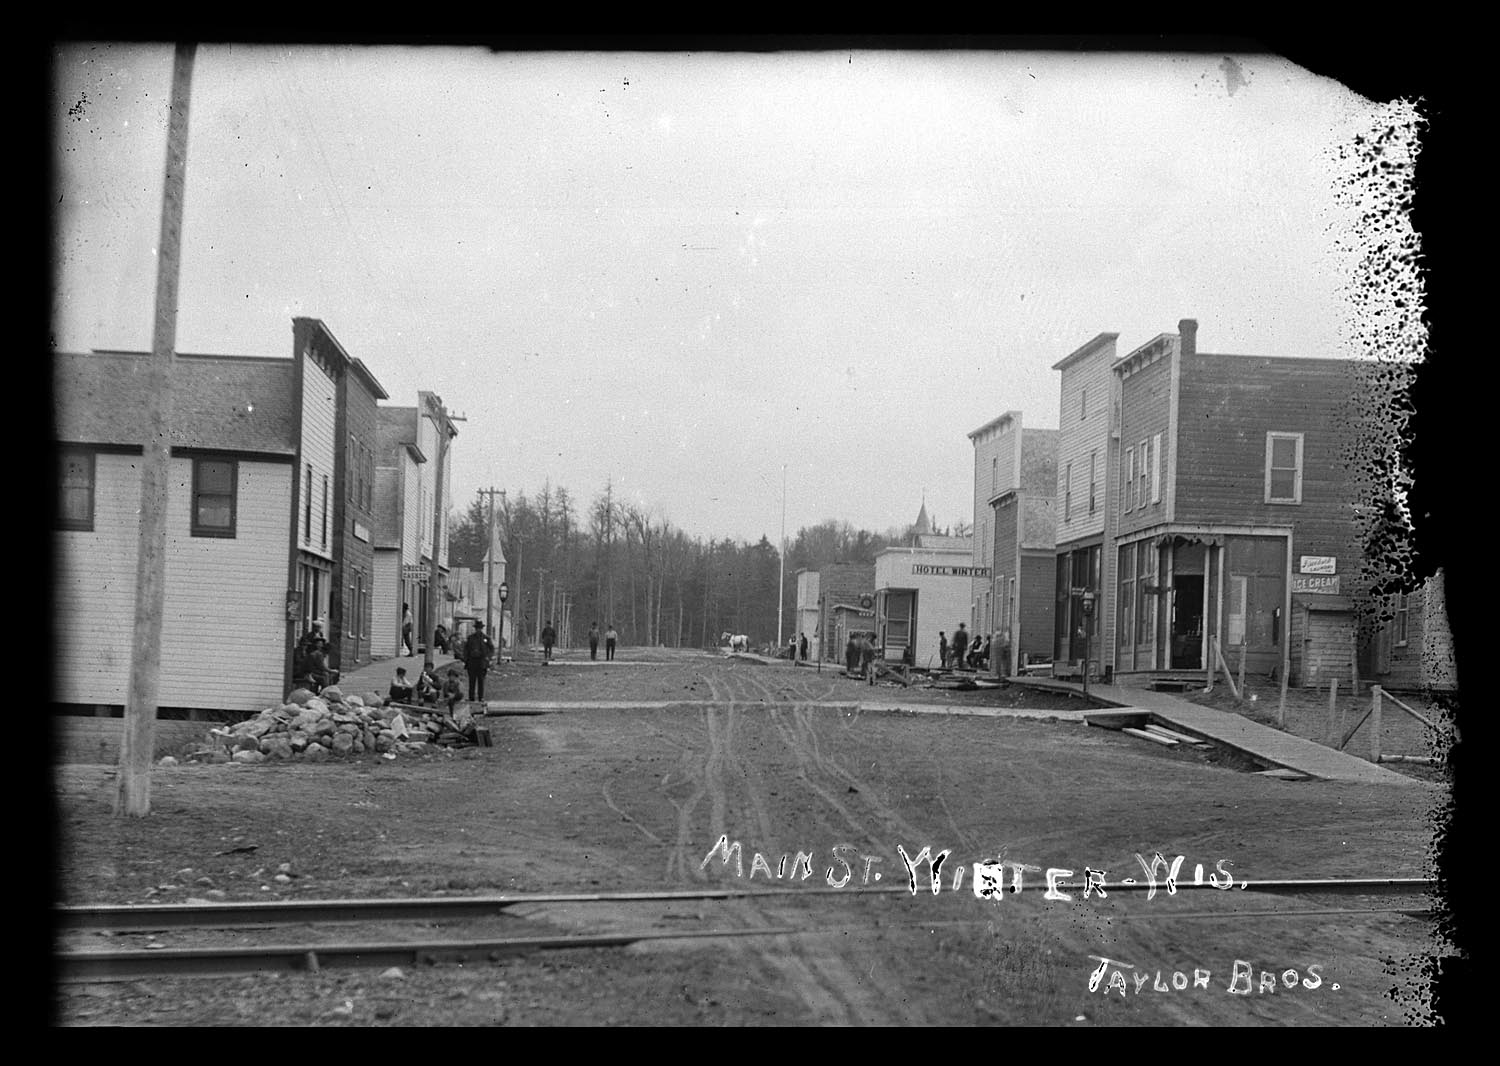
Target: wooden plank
[[1144, 734], [1182, 737]]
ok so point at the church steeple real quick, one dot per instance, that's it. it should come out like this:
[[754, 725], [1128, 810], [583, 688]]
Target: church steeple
[[924, 524]]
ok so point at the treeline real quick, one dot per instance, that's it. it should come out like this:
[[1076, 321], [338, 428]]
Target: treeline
[[616, 563]]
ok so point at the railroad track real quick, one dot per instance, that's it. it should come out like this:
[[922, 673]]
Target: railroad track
[[93, 965]]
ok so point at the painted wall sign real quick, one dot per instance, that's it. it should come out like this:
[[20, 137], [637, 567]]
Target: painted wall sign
[[928, 570], [1318, 564], [414, 573], [1322, 584], [361, 532]]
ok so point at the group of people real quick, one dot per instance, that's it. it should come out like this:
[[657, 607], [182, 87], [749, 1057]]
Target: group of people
[[310, 667], [796, 648], [610, 640], [427, 689], [962, 653]]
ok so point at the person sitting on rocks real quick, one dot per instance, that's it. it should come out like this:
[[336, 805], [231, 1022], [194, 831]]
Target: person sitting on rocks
[[453, 689], [401, 689], [427, 684]]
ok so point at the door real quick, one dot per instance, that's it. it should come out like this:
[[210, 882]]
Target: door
[[1187, 622]]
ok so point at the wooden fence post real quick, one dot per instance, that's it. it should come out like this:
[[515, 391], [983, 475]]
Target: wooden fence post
[[1281, 707], [1334, 730], [1213, 650], [1375, 723], [1244, 643]]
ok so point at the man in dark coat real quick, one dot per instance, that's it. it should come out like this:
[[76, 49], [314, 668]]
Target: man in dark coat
[[960, 647], [477, 651], [549, 638], [594, 641]]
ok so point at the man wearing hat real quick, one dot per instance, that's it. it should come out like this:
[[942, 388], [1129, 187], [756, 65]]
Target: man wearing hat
[[477, 652]]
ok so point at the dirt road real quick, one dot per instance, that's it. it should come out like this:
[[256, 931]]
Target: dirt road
[[781, 762]]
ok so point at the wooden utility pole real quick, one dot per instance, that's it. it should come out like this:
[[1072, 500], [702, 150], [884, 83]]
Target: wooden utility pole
[[446, 432], [138, 736], [489, 564]]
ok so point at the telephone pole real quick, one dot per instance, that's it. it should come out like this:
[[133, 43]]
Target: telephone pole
[[489, 562], [138, 736], [446, 432]]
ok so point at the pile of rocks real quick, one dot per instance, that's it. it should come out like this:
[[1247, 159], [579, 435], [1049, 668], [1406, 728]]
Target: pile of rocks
[[313, 728]]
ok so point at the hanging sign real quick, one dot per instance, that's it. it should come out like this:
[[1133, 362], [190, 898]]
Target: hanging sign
[[1318, 564]]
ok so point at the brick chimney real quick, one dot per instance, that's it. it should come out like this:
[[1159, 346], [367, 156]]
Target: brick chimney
[[1187, 330]]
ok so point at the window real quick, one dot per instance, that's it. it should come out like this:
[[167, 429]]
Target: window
[[75, 506], [1283, 467], [1402, 614], [1129, 493], [1068, 493], [214, 484], [1156, 469], [1093, 481], [325, 510], [1083, 405], [1145, 467], [994, 474], [307, 509]]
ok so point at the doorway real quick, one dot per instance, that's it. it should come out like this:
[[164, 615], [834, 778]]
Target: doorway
[[1187, 622]]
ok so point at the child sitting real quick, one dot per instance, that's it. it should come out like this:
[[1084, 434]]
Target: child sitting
[[453, 690], [427, 685], [400, 687]]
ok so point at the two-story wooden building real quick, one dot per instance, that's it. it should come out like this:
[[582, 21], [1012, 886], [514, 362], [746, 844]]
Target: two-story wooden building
[[406, 461], [336, 554], [1015, 477], [1084, 563], [1236, 528]]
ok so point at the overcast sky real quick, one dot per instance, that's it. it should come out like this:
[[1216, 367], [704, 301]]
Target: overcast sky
[[681, 272]]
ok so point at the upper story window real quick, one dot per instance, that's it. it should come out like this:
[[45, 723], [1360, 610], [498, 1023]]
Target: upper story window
[[1403, 613], [325, 510], [1093, 481], [1143, 485], [1283, 467], [994, 474], [1083, 404], [214, 489], [1068, 493], [307, 508], [75, 506]]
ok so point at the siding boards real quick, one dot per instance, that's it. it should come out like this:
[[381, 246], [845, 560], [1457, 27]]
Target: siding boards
[[1144, 409], [224, 630], [93, 594], [224, 635], [318, 415]]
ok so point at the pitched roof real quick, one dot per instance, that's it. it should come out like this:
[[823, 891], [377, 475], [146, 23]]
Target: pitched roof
[[224, 402]]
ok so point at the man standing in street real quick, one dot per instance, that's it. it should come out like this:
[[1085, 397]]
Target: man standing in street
[[610, 636], [549, 638], [477, 651], [594, 641], [960, 647]]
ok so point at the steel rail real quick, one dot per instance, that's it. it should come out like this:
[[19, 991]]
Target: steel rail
[[154, 916], [224, 961], [75, 966]]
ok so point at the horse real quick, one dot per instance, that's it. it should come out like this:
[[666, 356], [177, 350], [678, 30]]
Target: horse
[[734, 642]]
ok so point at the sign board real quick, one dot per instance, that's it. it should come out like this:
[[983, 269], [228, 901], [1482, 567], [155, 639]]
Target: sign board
[[1318, 564], [414, 573], [361, 532], [928, 570], [1318, 584]]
